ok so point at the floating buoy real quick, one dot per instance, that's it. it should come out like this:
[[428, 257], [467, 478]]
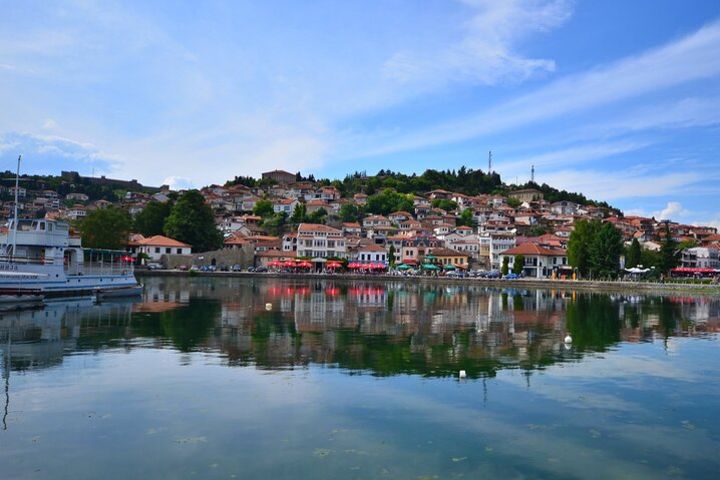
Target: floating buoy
[[568, 338], [462, 374], [268, 306]]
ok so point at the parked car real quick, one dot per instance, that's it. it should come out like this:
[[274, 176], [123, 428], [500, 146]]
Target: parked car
[[182, 267], [153, 266], [251, 269], [511, 276], [261, 269], [493, 274], [236, 268]]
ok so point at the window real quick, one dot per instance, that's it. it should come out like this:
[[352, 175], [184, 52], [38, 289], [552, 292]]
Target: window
[[157, 249], [168, 250], [179, 251]]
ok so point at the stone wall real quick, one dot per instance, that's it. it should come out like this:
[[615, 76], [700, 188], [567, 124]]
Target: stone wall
[[225, 257]]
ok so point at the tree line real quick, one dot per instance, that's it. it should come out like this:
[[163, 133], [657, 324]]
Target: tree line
[[187, 219]]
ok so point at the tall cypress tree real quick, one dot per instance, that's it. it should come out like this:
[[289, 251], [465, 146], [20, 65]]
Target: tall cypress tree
[[633, 258]]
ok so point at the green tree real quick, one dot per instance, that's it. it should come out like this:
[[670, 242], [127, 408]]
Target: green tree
[[633, 257], [318, 216], [275, 225], [518, 264], [263, 208], [466, 218], [389, 201], [513, 202], [191, 221], [106, 228], [578, 250], [605, 249], [505, 266], [650, 258], [391, 255], [152, 218], [668, 250], [349, 213], [299, 214], [445, 204]]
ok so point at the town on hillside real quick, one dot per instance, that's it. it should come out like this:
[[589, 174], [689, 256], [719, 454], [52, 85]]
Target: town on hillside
[[287, 221]]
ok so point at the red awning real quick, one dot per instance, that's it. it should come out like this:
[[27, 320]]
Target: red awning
[[693, 270]]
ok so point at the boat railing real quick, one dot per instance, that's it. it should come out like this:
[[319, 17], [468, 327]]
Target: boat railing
[[26, 260], [99, 268]]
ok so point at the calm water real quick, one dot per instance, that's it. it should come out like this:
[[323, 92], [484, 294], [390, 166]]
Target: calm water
[[200, 379]]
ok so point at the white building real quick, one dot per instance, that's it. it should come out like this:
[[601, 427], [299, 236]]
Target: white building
[[371, 253], [320, 241], [701, 257], [157, 246], [499, 242], [539, 262]]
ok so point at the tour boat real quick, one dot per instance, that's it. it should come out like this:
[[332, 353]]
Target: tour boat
[[41, 258]]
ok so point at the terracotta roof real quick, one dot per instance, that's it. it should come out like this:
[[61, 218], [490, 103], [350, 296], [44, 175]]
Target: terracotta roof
[[351, 225], [162, 241], [533, 249], [235, 240], [316, 227], [276, 254], [371, 248], [446, 252]]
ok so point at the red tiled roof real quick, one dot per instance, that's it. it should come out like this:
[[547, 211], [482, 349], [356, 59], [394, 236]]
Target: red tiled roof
[[316, 227], [533, 249], [162, 241]]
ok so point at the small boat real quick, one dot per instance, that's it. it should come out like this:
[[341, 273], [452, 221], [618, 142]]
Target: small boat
[[130, 291]]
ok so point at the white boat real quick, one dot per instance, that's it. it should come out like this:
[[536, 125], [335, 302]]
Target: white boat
[[42, 258]]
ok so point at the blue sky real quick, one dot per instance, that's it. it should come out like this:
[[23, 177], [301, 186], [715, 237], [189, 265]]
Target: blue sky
[[619, 100]]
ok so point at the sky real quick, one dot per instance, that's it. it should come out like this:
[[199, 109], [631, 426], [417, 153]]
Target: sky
[[614, 99]]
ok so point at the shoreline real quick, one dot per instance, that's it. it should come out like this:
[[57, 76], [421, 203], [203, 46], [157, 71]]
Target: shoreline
[[584, 285]]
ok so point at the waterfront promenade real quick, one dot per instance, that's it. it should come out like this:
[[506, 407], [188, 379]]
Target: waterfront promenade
[[584, 285]]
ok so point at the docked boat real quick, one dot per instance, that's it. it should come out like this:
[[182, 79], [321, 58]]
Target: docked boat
[[41, 258]]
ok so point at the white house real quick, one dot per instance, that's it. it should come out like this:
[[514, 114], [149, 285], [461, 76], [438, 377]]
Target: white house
[[540, 262], [285, 205], [320, 241], [157, 246], [371, 253]]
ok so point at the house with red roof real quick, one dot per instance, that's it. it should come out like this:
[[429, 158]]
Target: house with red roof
[[539, 261]]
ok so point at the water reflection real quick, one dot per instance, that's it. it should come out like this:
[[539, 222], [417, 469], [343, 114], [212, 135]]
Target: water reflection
[[357, 380], [381, 328]]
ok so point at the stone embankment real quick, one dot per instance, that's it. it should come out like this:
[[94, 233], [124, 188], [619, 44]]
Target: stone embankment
[[580, 285]]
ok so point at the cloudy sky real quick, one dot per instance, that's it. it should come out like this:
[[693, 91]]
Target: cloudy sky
[[619, 100]]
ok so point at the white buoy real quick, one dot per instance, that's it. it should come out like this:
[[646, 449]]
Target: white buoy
[[462, 374], [568, 338], [268, 306]]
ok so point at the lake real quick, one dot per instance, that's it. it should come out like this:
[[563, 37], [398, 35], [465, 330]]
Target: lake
[[274, 379]]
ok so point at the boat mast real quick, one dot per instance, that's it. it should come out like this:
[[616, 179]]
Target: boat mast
[[15, 214]]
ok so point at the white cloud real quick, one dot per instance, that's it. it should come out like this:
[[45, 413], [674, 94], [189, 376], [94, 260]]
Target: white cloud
[[486, 54], [570, 156], [622, 184], [672, 211], [688, 59], [178, 183], [49, 124]]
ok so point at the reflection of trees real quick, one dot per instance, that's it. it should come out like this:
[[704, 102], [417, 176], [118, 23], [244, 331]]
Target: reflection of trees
[[593, 321], [187, 327], [384, 328]]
